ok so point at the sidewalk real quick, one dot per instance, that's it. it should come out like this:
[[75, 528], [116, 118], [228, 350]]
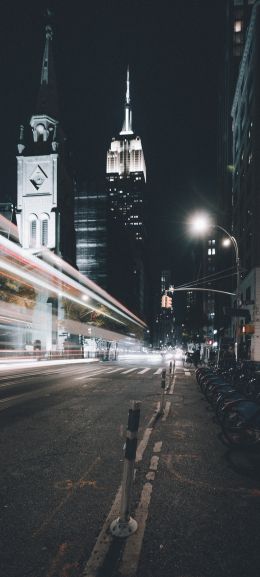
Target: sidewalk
[[205, 505]]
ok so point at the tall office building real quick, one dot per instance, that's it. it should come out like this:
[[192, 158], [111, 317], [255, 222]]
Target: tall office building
[[91, 214], [246, 182], [45, 192], [236, 23], [126, 178], [237, 16]]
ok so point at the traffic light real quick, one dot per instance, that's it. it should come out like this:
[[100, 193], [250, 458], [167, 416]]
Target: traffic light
[[163, 302], [166, 302]]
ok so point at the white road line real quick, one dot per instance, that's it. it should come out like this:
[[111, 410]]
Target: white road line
[[132, 551], [157, 447], [143, 371], [133, 547], [158, 372], [90, 375], [150, 476], [166, 410], [187, 373], [154, 463], [115, 370], [105, 538], [142, 445], [129, 371]]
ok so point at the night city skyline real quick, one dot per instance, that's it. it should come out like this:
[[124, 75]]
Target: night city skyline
[[130, 288], [174, 94]]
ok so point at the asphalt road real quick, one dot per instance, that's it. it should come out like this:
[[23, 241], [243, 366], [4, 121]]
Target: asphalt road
[[197, 502], [62, 436]]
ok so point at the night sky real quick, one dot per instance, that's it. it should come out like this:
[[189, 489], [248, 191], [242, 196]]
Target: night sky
[[174, 49]]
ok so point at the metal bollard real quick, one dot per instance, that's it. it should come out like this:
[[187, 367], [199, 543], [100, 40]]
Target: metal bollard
[[125, 525], [163, 391], [171, 372], [170, 376]]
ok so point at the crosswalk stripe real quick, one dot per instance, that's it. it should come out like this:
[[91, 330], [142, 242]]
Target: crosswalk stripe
[[115, 370], [90, 374], [111, 371], [129, 371]]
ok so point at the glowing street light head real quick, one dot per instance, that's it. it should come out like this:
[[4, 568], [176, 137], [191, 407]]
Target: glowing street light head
[[200, 223], [226, 242]]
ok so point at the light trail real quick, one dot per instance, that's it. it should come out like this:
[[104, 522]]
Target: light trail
[[59, 283]]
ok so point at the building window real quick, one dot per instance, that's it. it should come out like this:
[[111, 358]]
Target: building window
[[33, 230], [44, 232], [238, 26], [44, 229]]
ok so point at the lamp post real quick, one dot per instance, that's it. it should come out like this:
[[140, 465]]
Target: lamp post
[[200, 224]]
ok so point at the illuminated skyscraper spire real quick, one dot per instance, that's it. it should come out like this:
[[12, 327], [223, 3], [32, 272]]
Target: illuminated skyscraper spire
[[127, 126]]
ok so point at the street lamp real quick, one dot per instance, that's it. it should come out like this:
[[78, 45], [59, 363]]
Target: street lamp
[[200, 224]]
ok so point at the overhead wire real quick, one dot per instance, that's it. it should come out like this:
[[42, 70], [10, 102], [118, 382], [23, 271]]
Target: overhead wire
[[210, 278]]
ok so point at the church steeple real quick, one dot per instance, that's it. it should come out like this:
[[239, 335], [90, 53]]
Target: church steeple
[[47, 98], [45, 120], [45, 191], [127, 126]]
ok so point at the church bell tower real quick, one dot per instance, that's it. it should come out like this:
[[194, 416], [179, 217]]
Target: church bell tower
[[45, 188]]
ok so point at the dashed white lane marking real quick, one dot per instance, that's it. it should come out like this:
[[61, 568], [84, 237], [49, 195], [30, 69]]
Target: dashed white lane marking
[[150, 476], [157, 447], [154, 463], [104, 540], [132, 551], [143, 371], [142, 445], [158, 372], [166, 410], [129, 371], [131, 555]]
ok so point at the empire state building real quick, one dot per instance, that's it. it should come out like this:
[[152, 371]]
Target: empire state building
[[126, 178], [126, 174]]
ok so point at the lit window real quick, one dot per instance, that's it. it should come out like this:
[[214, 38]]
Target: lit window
[[238, 26], [209, 251], [213, 251]]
